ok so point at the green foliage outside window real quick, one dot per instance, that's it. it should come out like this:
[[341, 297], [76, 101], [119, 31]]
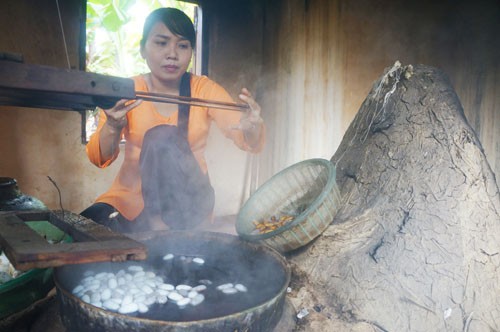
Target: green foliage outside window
[[114, 30]]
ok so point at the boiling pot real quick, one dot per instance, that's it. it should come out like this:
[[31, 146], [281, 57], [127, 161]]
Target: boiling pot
[[227, 258]]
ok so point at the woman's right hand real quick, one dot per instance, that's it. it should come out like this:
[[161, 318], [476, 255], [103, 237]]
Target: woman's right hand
[[117, 115], [116, 120]]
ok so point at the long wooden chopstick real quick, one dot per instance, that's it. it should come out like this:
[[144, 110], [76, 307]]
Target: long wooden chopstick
[[173, 99]]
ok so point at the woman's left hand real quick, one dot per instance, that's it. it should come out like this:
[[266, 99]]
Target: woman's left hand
[[251, 121]]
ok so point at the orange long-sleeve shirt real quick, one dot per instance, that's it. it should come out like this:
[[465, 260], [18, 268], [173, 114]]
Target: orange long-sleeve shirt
[[125, 192]]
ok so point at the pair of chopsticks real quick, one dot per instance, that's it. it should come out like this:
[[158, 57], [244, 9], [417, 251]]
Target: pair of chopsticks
[[173, 99]]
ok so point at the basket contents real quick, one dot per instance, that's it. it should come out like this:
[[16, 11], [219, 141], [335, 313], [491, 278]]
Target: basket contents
[[268, 225], [7, 270]]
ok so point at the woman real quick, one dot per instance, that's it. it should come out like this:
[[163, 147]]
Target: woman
[[163, 181]]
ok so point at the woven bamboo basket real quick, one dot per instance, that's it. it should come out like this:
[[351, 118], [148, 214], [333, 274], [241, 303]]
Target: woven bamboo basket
[[306, 191]]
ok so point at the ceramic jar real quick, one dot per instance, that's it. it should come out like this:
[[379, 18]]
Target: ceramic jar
[[12, 199]]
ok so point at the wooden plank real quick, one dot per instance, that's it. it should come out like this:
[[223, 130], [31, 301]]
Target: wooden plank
[[19, 235], [26, 249], [74, 253], [81, 228], [51, 79], [32, 85]]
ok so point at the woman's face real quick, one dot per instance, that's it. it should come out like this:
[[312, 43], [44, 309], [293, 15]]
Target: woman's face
[[167, 55]]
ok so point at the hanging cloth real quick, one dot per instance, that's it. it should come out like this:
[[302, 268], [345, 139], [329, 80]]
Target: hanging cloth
[[183, 117], [173, 185]]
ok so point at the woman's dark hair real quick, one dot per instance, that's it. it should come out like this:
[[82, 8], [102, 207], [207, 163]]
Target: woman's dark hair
[[175, 20]]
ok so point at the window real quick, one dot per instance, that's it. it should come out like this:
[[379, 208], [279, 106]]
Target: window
[[113, 33]]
